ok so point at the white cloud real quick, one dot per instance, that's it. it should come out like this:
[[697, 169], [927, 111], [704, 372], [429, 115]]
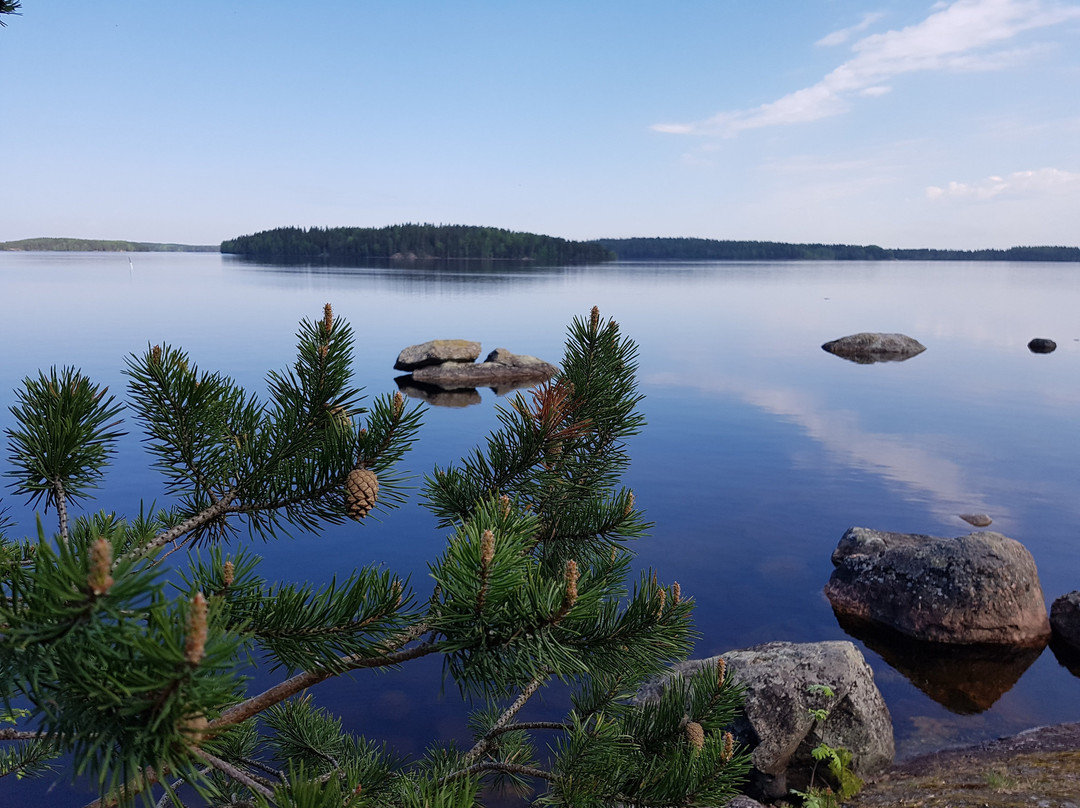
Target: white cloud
[[963, 35], [1028, 183], [844, 34]]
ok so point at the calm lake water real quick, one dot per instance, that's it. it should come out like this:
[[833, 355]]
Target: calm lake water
[[760, 450]]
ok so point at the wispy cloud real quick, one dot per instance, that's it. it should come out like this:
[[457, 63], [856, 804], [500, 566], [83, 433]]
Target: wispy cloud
[[1042, 181], [962, 35], [844, 34]]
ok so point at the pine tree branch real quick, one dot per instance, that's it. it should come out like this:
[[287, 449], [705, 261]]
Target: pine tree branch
[[497, 766], [219, 508], [61, 509], [18, 735], [235, 773], [484, 744], [290, 687]]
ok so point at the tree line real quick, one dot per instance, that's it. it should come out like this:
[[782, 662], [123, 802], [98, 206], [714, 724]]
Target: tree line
[[413, 241], [700, 249]]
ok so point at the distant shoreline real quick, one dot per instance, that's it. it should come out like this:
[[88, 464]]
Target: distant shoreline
[[614, 250], [98, 245]]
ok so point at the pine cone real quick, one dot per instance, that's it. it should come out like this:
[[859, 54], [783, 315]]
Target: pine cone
[[361, 491], [695, 734]]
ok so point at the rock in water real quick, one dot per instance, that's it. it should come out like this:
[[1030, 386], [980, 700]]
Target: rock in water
[[1042, 345], [436, 352], [977, 519], [1065, 619], [867, 347], [982, 588]]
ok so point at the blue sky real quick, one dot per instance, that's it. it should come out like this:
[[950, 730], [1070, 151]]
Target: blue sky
[[903, 124]]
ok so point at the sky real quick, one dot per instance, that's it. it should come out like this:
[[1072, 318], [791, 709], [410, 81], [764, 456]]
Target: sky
[[899, 123]]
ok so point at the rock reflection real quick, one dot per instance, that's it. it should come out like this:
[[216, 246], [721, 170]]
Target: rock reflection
[[438, 396], [964, 679], [453, 397]]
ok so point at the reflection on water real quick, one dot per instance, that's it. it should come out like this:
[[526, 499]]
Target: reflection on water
[[453, 397], [963, 679]]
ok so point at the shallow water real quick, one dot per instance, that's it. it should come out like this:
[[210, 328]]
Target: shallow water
[[760, 451]]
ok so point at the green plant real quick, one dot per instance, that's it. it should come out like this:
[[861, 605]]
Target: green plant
[[137, 673], [837, 760]]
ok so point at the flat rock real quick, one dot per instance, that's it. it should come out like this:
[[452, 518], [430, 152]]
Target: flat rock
[[977, 519], [867, 347], [981, 588], [437, 352]]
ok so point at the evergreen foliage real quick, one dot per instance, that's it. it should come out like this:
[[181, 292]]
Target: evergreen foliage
[[412, 241], [9, 7], [136, 673], [700, 249]]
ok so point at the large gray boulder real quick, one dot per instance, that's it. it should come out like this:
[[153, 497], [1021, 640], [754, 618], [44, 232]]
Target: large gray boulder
[[981, 588], [436, 352], [867, 347], [776, 722]]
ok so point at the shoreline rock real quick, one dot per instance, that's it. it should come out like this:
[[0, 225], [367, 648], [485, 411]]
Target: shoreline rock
[[978, 589], [776, 722]]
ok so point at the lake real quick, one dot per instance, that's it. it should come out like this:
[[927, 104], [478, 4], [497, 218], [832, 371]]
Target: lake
[[760, 451]]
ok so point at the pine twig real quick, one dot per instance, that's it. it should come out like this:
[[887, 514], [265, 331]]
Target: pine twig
[[290, 687], [484, 743], [232, 771], [497, 766]]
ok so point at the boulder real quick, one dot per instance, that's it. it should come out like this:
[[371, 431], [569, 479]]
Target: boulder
[[977, 519], [501, 368], [1042, 345], [981, 588], [867, 347], [436, 352], [1065, 619], [776, 722]]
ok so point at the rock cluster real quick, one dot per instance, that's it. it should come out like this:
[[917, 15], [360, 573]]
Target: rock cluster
[[446, 372]]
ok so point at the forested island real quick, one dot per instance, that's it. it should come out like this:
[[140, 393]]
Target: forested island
[[701, 249], [414, 242]]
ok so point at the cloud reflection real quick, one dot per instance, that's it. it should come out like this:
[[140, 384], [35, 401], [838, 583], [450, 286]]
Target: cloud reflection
[[897, 458]]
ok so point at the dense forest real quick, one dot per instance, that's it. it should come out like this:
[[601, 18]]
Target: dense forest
[[700, 249], [97, 245], [414, 241]]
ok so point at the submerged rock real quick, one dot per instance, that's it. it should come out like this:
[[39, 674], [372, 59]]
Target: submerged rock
[[867, 347], [982, 588]]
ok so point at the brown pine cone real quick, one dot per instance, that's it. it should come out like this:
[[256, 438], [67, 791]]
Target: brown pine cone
[[361, 492]]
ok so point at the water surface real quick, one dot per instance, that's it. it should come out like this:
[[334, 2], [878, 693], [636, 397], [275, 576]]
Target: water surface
[[760, 450]]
